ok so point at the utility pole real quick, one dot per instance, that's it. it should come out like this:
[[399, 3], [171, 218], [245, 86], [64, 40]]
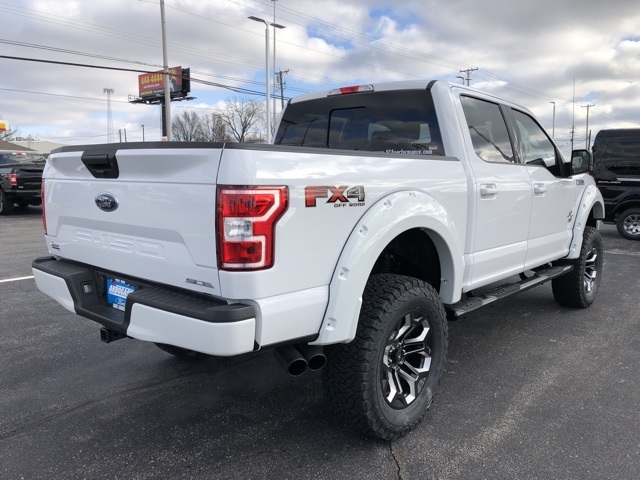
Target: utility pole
[[553, 131], [109, 91], [468, 72], [281, 83], [586, 135]]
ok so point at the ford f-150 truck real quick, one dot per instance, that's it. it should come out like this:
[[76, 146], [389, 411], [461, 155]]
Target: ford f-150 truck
[[20, 179], [380, 212]]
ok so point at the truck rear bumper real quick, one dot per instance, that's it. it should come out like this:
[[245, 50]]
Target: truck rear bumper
[[152, 313]]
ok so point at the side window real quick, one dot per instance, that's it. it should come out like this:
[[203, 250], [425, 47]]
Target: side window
[[488, 130], [538, 148], [622, 157]]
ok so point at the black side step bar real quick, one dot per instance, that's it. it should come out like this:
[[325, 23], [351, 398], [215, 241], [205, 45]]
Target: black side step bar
[[470, 304]]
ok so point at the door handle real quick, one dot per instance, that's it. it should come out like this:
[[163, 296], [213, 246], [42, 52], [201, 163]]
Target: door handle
[[488, 190], [539, 189]]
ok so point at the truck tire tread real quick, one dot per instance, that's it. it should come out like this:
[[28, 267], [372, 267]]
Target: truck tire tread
[[351, 378], [570, 290]]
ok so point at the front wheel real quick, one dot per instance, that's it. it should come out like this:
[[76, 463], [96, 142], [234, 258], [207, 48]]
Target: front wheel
[[383, 382], [628, 224], [578, 288]]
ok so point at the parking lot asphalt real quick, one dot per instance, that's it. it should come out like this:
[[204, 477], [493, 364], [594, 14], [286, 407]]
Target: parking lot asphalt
[[532, 391]]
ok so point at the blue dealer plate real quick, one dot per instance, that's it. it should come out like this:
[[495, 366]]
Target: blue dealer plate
[[117, 292]]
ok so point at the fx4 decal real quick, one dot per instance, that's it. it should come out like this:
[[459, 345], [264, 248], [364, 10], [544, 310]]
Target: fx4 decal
[[343, 196]]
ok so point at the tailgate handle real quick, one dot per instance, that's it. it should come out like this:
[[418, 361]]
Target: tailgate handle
[[101, 165]]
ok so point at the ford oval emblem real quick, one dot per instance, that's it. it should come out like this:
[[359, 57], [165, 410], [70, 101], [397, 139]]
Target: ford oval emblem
[[106, 202]]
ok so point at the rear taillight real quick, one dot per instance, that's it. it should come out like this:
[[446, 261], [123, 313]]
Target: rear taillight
[[44, 216], [247, 217], [13, 179]]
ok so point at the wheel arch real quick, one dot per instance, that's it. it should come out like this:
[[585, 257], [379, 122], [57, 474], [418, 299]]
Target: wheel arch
[[626, 204], [590, 210], [392, 223]]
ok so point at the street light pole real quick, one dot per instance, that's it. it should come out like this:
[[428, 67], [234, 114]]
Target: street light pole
[[553, 131], [267, 72], [274, 65], [167, 78]]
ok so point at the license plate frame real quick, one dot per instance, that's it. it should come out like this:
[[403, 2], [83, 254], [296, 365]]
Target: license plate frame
[[117, 292]]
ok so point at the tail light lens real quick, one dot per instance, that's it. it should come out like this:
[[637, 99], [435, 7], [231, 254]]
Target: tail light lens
[[13, 179], [44, 216], [247, 217]]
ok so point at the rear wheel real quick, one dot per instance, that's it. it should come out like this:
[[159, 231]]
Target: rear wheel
[[383, 382], [6, 205], [180, 352], [628, 224], [579, 287]]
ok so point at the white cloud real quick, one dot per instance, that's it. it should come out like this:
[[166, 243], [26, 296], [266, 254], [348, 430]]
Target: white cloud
[[526, 52]]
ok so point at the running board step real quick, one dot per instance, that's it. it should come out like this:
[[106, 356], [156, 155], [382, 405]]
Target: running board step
[[470, 304]]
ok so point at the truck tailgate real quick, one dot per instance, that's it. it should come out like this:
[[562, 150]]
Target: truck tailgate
[[145, 212]]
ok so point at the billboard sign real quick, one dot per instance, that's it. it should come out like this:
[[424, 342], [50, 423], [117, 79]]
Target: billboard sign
[[152, 84]]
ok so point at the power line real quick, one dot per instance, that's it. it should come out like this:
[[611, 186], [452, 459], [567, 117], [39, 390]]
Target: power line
[[104, 67]]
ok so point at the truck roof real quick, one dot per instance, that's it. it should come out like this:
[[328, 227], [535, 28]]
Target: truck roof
[[402, 85]]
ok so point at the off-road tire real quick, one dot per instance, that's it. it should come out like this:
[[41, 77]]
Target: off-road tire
[[180, 352], [628, 224], [6, 205], [358, 377], [579, 287]]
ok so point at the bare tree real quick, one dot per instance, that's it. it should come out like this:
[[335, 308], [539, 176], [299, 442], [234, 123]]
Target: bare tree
[[187, 127], [243, 118], [9, 133], [213, 128]]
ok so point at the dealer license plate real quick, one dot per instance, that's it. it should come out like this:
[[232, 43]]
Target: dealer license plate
[[117, 292]]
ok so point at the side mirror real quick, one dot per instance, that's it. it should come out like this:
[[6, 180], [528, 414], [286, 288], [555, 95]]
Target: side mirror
[[580, 161]]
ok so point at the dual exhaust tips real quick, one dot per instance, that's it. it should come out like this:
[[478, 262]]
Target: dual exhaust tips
[[297, 359]]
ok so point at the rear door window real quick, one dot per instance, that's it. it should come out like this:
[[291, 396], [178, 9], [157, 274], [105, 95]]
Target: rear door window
[[401, 122], [488, 130]]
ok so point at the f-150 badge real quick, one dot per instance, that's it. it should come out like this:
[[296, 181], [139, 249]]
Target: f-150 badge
[[342, 196]]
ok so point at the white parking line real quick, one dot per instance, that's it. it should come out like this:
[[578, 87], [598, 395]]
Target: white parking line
[[7, 280]]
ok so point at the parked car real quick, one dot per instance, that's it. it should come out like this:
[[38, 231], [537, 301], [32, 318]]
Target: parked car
[[20, 179], [616, 169]]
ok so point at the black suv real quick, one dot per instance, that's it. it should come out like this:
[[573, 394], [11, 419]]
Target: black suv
[[20, 179], [616, 169]]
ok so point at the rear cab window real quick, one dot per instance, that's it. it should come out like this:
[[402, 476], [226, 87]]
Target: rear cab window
[[16, 158], [394, 122]]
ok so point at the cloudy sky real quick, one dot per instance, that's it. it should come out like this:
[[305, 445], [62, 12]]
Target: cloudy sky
[[528, 52]]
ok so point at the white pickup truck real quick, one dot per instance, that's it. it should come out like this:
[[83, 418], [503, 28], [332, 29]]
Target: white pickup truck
[[381, 211]]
